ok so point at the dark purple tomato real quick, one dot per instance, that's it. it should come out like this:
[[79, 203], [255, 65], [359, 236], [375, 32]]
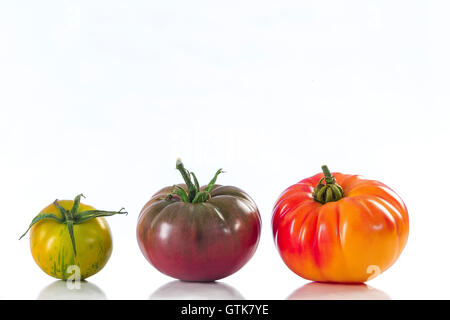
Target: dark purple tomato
[[195, 233]]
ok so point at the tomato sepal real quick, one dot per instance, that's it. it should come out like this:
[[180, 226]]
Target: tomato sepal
[[72, 217]]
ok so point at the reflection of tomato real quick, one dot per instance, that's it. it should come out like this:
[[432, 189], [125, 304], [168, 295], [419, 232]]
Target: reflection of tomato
[[337, 291], [62, 237], [198, 233], [348, 229]]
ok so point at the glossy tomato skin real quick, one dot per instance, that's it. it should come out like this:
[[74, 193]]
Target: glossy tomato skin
[[52, 249], [202, 241], [350, 240]]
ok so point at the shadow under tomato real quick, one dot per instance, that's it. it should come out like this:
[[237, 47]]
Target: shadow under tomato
[[331, 291], [181, 290], [59, 290]]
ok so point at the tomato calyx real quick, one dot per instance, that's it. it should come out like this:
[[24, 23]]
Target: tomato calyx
[[72, 217], [330, 191], [194, 193]]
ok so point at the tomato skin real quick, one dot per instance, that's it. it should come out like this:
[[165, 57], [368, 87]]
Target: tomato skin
[[344, 241], [199, 241], [52, 248]]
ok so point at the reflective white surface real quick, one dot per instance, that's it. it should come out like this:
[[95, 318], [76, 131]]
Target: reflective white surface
[[60, 290], [326, 291], [196, 291], [101, 97]]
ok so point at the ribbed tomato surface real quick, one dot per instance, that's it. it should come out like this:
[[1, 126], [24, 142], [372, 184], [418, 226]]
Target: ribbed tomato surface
[[350, 240]]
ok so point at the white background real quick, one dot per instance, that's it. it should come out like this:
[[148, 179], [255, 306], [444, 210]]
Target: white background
[[101, 97]]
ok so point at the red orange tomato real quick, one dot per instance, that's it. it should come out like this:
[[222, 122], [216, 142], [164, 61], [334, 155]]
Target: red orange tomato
[[339, 227]]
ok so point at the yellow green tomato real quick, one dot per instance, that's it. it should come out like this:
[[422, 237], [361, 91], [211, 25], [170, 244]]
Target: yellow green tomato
[[71, 240]]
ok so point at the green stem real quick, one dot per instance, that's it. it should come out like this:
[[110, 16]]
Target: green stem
[[213, 181], [329, 179], [202, 196], [72, 217], [330, 191], [187, 179], [197, 185], [72, 236], [180, 192], [193, 193], [40, 217]]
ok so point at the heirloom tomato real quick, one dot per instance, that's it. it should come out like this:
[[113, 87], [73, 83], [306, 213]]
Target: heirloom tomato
[[68, 234], [339, 227], [198, 233]]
